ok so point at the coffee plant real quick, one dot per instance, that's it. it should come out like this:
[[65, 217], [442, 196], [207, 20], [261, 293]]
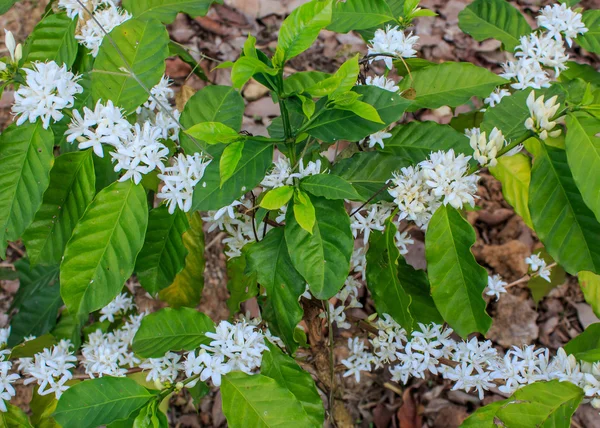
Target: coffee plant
[[101, 179]]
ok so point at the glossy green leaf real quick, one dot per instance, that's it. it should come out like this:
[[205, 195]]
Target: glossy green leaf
[[210, 194], [71, 189], [362, 110], [330, 187], [359, 15], [211, 104], [31, 347], [288, 374], [213, 133], [186, 289], [586, 346], [271, 261], [246, 67], [334, 125], [566, 226], [323, 257], [590, 286], [304, 211], [229, 160], [341, 82], [583, 156], [171, 330], [260, 402], [53, 39], [145, 46], [240, 284], [416, 140], [301, 28], [42, 408], [100, 256], [5, 5], [590, 40], [166, 10], [100, 401], [68, 327], [32, 279], [26, 158], [450, 84], [163, 254], [497, 19], [514, 172], [457, 281], [580, 71], [299, 82], [14, 418], [276, 198]]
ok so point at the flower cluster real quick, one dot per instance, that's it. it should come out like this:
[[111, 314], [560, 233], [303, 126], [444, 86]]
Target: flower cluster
[[495, 286], [120, 305], [539, 266], [443, 178], [485, 151], [282, 173], [541, 117], [496, 96], [48, 89], [392, 42], [560, 20]]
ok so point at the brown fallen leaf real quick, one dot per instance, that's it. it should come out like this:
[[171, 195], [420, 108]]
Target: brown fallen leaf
[[408, 414]]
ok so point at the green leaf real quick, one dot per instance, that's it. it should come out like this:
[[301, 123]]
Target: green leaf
[[416, 140], [464, 121], [31, 347], [68, 327], [32, 279], [229, 160], [288, 374], [323, 257], [485, 416], [514, 172], [100, 401], [341, 82], [171, 330], [494, 19], [300, 29], [104, 170], [451, 84], [101, 253], [271, 261], [330, 187], [580, 71], [276, 198], [304, 211], [590, 286], [246, 67], [542, 404], [299, 82], [457, 281], [14, 418], [26, 158], [145, 47], [362, 110], [163, 254], [333, 125], [590, 40], [583, 156], [586, 346], [5, 5], [166, 10], [71, 189], [562, 221], [42, 408], [240, 285], [211, 104], [213, 133], [186, 289], [53, 39], [175, 49], [368, 172], [258, 401], [210, 194], [414, 64], [359, 15]]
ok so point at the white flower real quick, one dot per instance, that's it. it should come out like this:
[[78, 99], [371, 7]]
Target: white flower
[[543, 49], [4, 335], [51, 370], [119, 306], [376, 138], [382, 82], [403, 239], [528, 73], [74, 7], [496, 96], [15, 50], [495, 286], [280, 174], [412, 196], [358, 360], [350, 290], [374, 220], [337, 316], [485, 151], [392, 41], [537, 264], [358, 261], [180, 179], [559, 19], [160, 95], [164, 369], [7, 391], [48, 89], [542, 113], [312, 168], [93, 31], [168, 124]]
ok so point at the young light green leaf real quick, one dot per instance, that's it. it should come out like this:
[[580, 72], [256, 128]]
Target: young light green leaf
[[14, 417], [276, 198], [300, 29], [586, 346], [246, 67], [450, 84], [96, 402], [304, 211], [166, 10], [308, 106], [329, 186], [323, 257], [363, 110], [359, 15], [72, 187], [498, 19], [145, 47], [53, 39], [298, 82], [26, 157], [186, 289], [163, 254], [271, 261], [342, 81], [590, 286], [240, 285], [101, 253], [566, 226], [171, 330], [213, 133], [590, 40], [457, 281], [288, 374], [229, 160], [514, 172], [259, 401]]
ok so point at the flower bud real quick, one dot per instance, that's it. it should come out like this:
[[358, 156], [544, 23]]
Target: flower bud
[[19, 52], [2, 66], [9, 40]]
